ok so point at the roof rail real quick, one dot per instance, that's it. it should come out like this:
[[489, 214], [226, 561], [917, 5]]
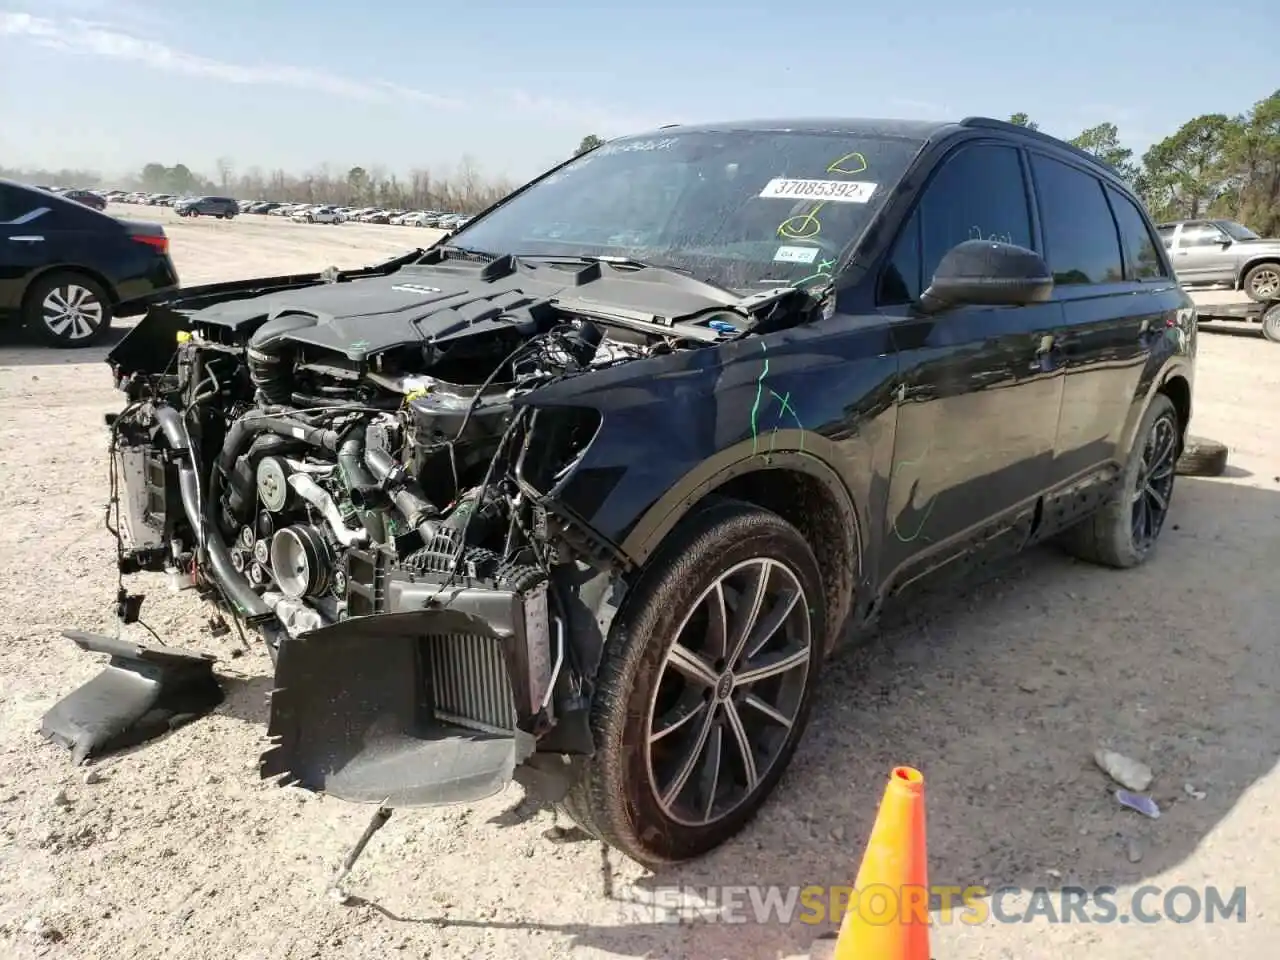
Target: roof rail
[[992, 124]]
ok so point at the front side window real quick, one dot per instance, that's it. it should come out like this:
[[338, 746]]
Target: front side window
[[978, 194], [741, 209], [1201, 234], [1081, 241]]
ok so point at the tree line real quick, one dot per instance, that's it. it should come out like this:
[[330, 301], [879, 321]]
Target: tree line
[[1213, 165]]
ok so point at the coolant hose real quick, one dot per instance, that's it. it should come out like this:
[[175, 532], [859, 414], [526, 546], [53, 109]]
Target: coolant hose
[[417, 509], [266, 355], [237, 589], [359, 481]]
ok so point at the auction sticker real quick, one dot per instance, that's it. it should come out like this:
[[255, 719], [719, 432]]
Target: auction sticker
[[832, 191], [796, 255]]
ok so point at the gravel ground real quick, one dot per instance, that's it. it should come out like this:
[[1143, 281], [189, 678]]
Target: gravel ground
[[1000, 696]]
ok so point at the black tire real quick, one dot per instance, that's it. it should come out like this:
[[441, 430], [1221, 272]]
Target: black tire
[[91, 311], [1271, 324], [615, 799], [1202, 458], [1108, 537], [1262, 282]]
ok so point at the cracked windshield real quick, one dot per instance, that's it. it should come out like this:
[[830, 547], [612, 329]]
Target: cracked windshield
[[741, 210]]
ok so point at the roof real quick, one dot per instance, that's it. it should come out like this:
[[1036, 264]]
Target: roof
[[922, 130], [856, 126]]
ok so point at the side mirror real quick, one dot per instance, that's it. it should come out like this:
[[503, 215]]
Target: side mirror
[[1224, 240], [986, 273]]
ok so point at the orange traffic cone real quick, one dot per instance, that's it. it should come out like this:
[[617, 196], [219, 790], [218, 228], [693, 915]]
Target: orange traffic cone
[[888, 916]]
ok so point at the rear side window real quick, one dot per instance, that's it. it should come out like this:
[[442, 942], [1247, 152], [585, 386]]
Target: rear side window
[[24, 205], [977, 194], [1081, 241], [1141, 258]]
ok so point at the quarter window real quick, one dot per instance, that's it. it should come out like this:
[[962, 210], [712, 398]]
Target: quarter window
[[1141, 259], [1081, 241], [978, 194]]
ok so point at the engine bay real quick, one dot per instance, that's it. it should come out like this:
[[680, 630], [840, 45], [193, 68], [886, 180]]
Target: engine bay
[[364, 469]]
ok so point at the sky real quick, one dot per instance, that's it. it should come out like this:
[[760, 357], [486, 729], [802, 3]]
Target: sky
[[111, 85]]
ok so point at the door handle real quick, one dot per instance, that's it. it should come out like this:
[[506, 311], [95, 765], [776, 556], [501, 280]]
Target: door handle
[[27, 239]]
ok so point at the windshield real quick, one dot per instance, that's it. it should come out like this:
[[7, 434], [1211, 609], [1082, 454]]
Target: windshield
[[740, 209], [1236, 232]]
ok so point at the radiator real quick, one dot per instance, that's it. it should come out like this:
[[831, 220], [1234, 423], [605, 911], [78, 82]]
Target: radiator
[[469, 682]]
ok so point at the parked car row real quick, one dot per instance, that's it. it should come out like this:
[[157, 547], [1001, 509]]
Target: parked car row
[[327, 213], [225, 207]]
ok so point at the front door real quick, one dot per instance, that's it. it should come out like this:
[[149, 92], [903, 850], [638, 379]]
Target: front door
[[981, 387], [1202, 254]]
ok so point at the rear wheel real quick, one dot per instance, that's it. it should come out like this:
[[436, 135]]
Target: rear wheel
[[1262, 283], [67, 310], [705, 686], [1124, 532]]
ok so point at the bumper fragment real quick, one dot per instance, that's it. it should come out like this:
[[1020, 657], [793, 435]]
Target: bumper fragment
[[405, 709], [142, 693]]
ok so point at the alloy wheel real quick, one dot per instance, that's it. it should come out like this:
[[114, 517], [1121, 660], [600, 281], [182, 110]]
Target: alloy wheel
[[1266, 284], [729, 692], [1154, 487], [72, 312]]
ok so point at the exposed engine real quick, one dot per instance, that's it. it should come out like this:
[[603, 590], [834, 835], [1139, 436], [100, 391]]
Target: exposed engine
[[320, 480], [361, 472]]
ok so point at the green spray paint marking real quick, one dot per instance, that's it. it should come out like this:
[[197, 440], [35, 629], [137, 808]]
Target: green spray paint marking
[[755, 407], [785, 403], [928, 510]]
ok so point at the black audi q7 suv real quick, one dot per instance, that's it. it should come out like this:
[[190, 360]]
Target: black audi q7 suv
[[585, 494]]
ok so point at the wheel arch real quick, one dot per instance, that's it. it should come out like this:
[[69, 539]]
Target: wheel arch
[[801, 487], [1257, 261], [73, 269]]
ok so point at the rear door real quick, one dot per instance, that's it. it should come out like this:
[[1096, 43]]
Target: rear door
[[26, 239], [978, 410], [1107, 277]]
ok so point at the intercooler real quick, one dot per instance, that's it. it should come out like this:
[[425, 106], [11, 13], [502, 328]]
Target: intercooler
[[470, 683]]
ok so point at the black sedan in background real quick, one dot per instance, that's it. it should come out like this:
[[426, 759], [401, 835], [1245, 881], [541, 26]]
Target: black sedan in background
[[66, 270], [87, 197]]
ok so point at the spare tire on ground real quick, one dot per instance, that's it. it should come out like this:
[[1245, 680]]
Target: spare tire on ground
[[1202, 458]]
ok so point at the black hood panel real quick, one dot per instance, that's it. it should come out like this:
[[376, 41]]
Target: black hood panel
[[430, 303]]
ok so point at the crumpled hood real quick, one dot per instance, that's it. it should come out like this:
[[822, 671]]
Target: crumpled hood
[[431, 303]]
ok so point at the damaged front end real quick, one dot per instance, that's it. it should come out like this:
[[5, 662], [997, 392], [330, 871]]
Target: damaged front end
[[367, 469]]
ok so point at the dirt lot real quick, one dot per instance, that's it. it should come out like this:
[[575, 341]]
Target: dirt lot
[[999, 696]]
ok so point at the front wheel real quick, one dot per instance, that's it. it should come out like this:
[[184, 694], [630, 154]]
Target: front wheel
[[1124, 531], [705, 686], [1262, 283], [1271, 324]]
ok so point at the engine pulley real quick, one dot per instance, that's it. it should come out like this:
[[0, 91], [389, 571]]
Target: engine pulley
[[301, 561], [273, 483]]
